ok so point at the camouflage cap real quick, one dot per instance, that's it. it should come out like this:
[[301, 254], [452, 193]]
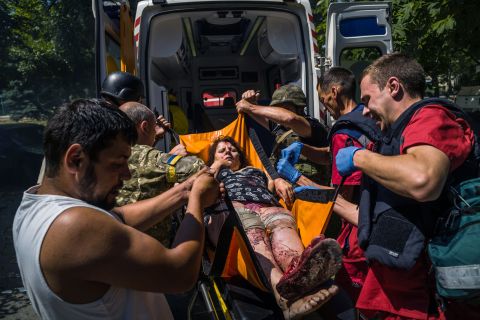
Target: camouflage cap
[[289, 94]]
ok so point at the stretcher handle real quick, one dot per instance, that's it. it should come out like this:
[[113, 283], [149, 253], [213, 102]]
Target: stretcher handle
[[337, 190], [175, 135], [172, 132]]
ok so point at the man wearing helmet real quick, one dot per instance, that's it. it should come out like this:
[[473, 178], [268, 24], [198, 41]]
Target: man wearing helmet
[[120, 87], [153, 171]]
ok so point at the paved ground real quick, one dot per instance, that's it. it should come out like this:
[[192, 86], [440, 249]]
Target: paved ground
[[14, 303]]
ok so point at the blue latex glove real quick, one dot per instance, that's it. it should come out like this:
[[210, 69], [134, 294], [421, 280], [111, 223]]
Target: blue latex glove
[[292, 152], [344, 160], [301, 188], [287, 171]]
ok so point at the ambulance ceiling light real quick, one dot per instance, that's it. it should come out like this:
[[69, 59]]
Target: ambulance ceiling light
[[258, 22], [187, 24]]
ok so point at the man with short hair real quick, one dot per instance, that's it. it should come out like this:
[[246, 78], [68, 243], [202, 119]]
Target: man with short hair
[[286, 119], [152, 170], [424, 144], [336, 91], [122, 87], [81, 258]]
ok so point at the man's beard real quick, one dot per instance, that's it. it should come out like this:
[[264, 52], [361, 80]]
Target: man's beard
[[87, 185]]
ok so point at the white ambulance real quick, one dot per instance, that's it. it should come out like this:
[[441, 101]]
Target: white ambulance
[[199, 56], [206, 53]]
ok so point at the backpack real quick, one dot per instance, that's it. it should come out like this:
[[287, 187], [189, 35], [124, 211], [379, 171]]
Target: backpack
[[454, 248]]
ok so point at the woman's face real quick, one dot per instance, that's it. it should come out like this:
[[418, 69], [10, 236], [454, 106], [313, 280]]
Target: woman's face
[[225, 151]]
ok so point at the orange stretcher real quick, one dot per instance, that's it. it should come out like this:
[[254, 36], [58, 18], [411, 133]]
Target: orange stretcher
[[234, 255]]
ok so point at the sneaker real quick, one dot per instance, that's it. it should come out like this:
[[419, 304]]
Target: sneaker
[[319, 262]]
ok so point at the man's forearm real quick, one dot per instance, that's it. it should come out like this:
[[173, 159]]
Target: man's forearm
[[255, 113], [320, 155], [346, 210], [419, 175], [286, 118], [146, 213], [189, 229], [190, 238]]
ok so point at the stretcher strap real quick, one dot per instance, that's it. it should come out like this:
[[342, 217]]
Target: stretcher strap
[[219, 262], [316, 195], [262, 155]]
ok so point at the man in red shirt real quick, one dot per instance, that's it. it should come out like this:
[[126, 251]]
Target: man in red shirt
[[418, 152], [336, 91]]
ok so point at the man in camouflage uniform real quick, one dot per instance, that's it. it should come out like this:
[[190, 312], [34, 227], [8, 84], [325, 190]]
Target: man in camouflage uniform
[[286, 119], [153, 171]]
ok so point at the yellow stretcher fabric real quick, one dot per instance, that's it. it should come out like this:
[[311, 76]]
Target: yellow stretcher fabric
[[199, 143], [312, 217], [127, 51], [239, 262]]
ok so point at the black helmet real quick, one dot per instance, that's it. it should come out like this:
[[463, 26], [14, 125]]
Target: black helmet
[[122, 86]]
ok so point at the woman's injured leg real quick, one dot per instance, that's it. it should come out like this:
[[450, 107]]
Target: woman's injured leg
[[291, 309], [283, 235], [283, 230]]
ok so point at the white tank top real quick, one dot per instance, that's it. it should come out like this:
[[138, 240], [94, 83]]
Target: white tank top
[[32, 221]]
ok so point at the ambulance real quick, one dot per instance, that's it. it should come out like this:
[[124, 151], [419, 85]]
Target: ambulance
[[206, 53], [202, 55]]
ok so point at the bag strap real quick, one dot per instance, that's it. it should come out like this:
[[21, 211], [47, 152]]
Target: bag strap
[[280, 140], [358, 126], [261, 154]]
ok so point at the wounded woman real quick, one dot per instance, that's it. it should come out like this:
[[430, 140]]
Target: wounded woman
[[296, 273]]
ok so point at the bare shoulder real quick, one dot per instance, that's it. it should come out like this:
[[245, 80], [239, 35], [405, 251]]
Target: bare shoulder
[[79, 236]]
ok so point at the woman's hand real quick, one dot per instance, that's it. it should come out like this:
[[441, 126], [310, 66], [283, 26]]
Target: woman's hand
[[218, 164], [284, 190]]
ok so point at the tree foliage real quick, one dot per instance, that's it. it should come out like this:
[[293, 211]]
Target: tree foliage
[[441, 34], [49, 55]]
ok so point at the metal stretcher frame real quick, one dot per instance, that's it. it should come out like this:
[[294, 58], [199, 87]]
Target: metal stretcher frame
[[234, 255]]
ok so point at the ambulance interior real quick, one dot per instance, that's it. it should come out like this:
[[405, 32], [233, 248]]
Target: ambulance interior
[[206, 59]]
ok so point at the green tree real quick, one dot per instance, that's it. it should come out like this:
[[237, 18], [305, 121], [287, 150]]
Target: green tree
[[52, 50], [442, 35], [6, 24]]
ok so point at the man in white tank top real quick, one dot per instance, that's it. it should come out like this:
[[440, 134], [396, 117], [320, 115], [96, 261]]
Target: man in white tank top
[[79, 257]]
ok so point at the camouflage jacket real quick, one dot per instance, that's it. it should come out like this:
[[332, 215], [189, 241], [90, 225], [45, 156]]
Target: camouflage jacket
[[315, 172], [154, 172]]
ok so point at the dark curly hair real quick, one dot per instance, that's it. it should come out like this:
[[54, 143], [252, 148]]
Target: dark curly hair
[[94, 124], [213, 148]]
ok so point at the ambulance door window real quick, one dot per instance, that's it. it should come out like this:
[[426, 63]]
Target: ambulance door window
[[356, 60], [112, 54]]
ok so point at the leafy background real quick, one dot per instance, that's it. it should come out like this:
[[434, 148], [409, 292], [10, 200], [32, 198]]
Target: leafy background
[[47, 58], [47, 54]]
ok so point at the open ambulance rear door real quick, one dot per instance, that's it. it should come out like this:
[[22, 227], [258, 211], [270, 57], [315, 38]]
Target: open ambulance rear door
[[357, 34], [114, 50]]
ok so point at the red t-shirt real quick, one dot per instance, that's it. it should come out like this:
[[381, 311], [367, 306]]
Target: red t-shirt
[[354, 267], [338, 142], [405, 293]]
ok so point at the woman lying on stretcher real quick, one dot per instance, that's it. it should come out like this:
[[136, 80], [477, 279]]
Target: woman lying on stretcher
[[296, 273]]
